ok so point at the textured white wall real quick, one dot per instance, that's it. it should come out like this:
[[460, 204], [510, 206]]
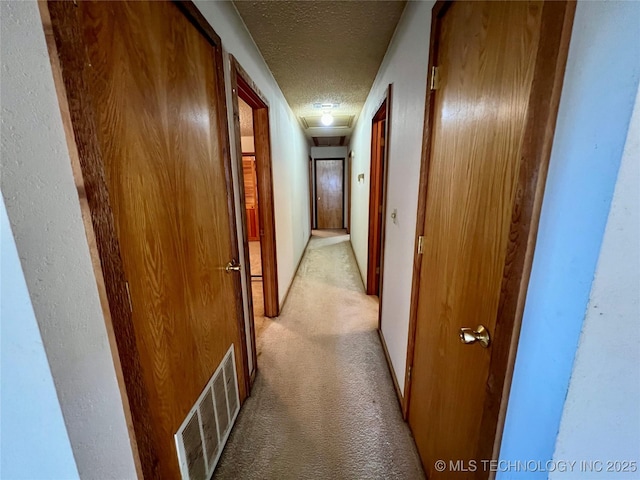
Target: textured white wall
[[601, 417], [247, 145], [405, 66], [329, 152], [289, 147], [44, 211], [32, 425]]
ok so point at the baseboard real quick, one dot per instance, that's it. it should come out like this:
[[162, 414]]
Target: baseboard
[[295, 274], [391, 371]]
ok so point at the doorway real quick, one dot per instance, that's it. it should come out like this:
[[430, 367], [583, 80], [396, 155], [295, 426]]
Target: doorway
[[251, 117], [377, 193], [329, 183], [496, 72], [157, 193]]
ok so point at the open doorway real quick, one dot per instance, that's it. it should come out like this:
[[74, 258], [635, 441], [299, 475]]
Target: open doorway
[[251, 118], [252, 209], [377, 194]]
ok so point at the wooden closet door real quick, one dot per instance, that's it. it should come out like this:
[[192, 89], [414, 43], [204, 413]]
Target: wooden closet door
[[155, 96], [330, 193], [486, 57]]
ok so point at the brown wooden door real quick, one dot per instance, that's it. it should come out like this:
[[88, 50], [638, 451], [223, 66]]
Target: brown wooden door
[[153, 84], [486, 58], [330, 193], [376, 200]]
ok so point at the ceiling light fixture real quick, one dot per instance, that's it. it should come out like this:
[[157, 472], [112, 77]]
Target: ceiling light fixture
[[327, 119]]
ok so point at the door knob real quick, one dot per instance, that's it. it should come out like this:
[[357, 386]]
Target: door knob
[[480, 335], [232, 266]]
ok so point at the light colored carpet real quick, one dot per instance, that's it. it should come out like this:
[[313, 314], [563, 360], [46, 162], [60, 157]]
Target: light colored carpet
[[323, 404], [255, 258], [261, 322]]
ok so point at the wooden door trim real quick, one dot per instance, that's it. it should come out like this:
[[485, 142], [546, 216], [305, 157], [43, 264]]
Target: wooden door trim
[[383, 112], [315, 186], [347, 183], [67, 54], [544, 99], [383, 223], [311, 193], [243, 86]]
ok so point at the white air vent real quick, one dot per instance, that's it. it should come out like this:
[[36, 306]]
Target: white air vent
[[203, 434]]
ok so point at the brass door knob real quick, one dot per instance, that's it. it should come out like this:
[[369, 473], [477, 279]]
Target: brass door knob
[[480, 335], [232, 266]]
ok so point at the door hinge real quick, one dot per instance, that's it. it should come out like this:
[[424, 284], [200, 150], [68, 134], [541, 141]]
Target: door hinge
[[435, 78], [409, 373], [129, 296], [420, 244]]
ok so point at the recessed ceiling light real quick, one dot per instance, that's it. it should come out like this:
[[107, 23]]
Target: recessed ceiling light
[[327, 119]]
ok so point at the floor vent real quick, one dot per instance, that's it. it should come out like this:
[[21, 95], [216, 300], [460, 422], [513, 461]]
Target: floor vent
[[203, 434]]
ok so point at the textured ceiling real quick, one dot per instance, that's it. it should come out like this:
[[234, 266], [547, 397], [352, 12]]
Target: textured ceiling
[[246, 118], [322, 51]]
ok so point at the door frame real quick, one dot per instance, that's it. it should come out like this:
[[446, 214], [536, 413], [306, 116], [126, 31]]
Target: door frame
[[347, 165], [537, 139], [378, 170], [66, 51], [311, 192], [242, 86], [315, 186]]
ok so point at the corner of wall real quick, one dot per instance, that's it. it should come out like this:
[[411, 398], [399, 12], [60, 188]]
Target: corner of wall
[[44, 210], [608, 356], [587, 149]]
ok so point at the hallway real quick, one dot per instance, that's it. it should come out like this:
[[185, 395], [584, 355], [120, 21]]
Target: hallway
[[323, 404]]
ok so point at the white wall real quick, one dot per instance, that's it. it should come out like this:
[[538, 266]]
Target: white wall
[[605, 383], [247, 144], [44, 211], [405, 66], [585, 159], [330, 152], [33, 437], [289, 147]]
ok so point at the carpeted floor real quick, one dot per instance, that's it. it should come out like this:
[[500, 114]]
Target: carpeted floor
[[323, 404], [255, 259]]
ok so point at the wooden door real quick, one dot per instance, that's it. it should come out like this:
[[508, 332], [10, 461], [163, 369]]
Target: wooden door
[[251, 196], [311, 193], [152, 85], [330, 193], [489, 124], [376, 199]]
